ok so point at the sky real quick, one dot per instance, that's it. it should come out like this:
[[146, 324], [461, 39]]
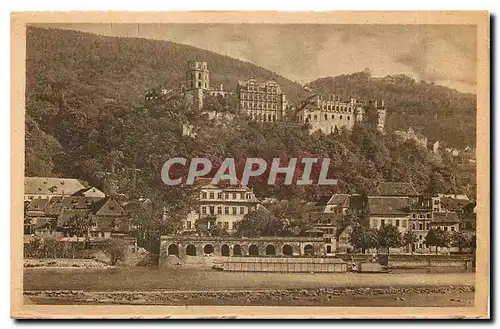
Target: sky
[[443, 54]]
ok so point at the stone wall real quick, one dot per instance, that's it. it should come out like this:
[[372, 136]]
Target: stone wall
[[183, 246]]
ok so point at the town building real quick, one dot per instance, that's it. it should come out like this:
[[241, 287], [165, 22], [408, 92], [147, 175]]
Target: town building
[[58, 216], [262, 101], [420, 223], [325, 224], [389, 210], [225, 203], [338, 204], [48, 187], [343, 244], [410, 134], [331, 113]]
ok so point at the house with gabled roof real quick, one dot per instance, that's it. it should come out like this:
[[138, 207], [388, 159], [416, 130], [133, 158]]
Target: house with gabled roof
[[338, 203]]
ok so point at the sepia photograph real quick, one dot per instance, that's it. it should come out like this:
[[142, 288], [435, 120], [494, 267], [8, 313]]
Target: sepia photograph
[[250, 165]]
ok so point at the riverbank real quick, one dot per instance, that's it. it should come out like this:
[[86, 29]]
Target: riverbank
[[383, 296]]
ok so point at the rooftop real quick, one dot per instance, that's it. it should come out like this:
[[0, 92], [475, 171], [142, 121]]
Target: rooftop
[[52, 186], [395, 189], [383, 205]]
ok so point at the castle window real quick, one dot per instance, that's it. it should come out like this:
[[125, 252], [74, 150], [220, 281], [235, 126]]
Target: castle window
[[199, 75], [340, 117], [348, 118], [316, 117], [326, 117], [199, 84], [333, 116]]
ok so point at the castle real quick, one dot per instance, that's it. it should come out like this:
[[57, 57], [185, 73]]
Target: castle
[[264, 101], [194, 90], [261, 101], [330, 113]]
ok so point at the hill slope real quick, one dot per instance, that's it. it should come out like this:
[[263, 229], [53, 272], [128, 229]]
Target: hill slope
[[438, 112], [83, 65]]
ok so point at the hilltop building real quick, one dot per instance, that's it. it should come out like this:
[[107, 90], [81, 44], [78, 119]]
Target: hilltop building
[[261, 100], [410, 134], [195, 89], [331, 113]]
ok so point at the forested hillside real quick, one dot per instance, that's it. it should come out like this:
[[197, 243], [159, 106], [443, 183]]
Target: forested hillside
[[85, 119], [438, 112]]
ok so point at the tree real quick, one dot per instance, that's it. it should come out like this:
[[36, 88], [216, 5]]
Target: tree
[[363, 238], [409, 238], [203, 225], [436, 183], [437, 238], [78, 225], [432, 238], [460, 240], [260, 223], [390, 237], [115, 250]]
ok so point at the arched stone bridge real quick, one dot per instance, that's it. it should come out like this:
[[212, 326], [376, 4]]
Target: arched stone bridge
[[182, 246]]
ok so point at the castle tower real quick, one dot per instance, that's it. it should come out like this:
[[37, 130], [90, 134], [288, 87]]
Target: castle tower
[[197, 75], [197, 81]]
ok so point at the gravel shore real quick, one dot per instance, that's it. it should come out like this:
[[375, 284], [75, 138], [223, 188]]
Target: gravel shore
[[455, 295]]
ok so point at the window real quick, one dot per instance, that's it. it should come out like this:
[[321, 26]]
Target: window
[[340, 117], [348, 118], [453, 228], [234, 196], [226, 195], [212, 210], [226, 225], [219, 195], [242, 210], [446, 228], [413, 226], [397, 222], [204, 195], [203, 210], [420, 237], [211, 195], [328, 249], [315, 117], [420, 226], [333, 116], [226, 210], [242, 195], [414, 216], [188, 225], [233, 210], [219, 210]]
